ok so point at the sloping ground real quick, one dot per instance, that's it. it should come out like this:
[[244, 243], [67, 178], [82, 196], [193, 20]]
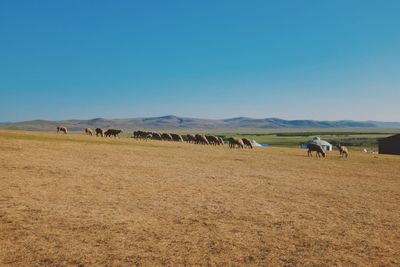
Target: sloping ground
[[84, 201]]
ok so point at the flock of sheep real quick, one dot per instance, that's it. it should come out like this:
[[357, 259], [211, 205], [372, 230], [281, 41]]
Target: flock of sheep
[[194, 139], [234, 142]]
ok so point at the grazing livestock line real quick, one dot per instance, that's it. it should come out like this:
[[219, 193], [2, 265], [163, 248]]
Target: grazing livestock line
[[234, 142]]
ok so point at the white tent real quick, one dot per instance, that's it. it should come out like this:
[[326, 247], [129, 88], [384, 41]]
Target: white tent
[[254, 143]]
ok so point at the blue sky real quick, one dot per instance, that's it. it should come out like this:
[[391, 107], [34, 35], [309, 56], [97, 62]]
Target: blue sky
[[211, 59]]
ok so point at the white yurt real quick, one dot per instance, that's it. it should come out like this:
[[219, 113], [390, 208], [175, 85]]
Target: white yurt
[[254, 143]]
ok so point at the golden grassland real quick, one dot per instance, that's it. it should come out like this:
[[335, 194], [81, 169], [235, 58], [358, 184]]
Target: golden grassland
[[77, 200]]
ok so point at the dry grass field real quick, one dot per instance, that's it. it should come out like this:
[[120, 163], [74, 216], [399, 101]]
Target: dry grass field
[[77, 200]]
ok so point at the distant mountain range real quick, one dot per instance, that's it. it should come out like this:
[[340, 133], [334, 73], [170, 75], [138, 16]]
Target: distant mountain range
[[179, 123]]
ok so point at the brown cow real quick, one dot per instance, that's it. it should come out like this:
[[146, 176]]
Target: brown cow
[[89, 131], [62, 129], [235, 141], [247, 143]]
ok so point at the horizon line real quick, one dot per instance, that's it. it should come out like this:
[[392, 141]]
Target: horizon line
[[184, 117]]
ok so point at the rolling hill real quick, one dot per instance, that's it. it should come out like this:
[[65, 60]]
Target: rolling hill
[[182, 123]]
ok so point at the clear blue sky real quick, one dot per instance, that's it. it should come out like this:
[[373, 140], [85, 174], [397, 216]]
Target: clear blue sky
[[305, 59]]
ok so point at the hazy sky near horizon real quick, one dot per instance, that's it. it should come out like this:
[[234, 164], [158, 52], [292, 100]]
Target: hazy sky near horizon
[[309, 59]]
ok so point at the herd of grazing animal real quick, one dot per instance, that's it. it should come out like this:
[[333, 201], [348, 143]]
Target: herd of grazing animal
[[99, 132], [320, 152], [234, 142], [189, 138]]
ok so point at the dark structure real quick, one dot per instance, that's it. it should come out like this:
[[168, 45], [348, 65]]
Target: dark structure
[[390, 145]]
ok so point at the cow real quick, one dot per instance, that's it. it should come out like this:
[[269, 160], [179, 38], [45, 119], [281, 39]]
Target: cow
[[201, 139], [235, 142], [247, 143], [89, 131], [177, 137], [62, 129], [317, 148], [166, 137], [99, 132], [113, 132], [344, 152]]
